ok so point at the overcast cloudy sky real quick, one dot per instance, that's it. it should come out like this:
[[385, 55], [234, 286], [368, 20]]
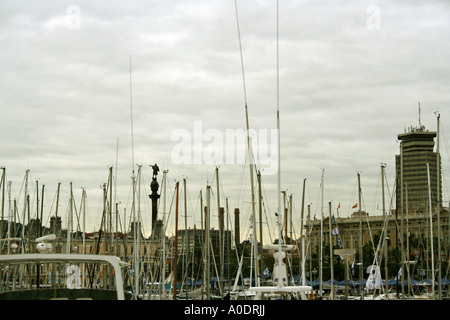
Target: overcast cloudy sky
[[351, 74]]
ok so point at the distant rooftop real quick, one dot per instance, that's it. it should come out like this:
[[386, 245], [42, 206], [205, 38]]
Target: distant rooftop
[[420, 128], [414, 132]]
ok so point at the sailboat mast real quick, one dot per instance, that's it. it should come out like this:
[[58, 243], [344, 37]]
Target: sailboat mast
[[402, 212], [56, 209], [220, 215], [186, 235], [207, 249], [29, 222], [131, 120], [278, 125], [261, 262], [176, 245], [116, 240], [163, 238], [361, 274], [3, 201], [133, 180], [69, 222], [83, 197], [42, 211], [383, 166], [431, 230], [37, 203], [10, 218], [111, 233], [138, 230], [249, 149], [302, 235], [226, 237], [331, 253], [24, 209], [321, 238], [438, 208]]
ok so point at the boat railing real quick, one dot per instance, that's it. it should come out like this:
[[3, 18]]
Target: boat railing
[[61, 275]]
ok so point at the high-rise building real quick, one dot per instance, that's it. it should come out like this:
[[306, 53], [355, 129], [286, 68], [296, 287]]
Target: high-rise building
[[411, 165]]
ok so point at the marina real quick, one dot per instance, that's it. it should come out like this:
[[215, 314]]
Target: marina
[[185, 198], [51, 262]]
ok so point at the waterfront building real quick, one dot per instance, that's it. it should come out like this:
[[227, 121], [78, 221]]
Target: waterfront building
[[418, 166], [346, 230], [411, 165]]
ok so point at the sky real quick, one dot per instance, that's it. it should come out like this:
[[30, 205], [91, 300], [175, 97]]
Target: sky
[[89, 85]]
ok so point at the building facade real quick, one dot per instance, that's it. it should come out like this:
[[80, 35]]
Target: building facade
[[345, 231], [418, 175], [417, 166]]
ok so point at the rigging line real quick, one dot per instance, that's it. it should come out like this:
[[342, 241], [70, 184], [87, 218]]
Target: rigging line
[[166, 222], [264, 205], [369, 230], [239, 189], [246, 118], [240, 50]]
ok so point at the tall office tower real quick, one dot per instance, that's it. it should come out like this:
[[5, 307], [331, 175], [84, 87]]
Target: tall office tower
[[416, 150]]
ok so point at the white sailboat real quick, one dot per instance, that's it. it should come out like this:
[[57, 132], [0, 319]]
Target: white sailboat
[[30, 268], [280, 287], [68, 283]]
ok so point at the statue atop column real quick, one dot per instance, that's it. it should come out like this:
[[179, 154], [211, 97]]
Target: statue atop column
[[155, 170], [154, 185]]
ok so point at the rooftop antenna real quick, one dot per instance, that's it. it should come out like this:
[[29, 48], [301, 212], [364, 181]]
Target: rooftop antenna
[[420, 122]]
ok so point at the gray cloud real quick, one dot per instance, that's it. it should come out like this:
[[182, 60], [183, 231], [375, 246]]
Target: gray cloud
[[346, 89]]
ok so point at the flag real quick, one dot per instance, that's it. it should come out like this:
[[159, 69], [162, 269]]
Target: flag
[[340, 244], [356, 205], [399, 274], [335, 231], [353, 266]]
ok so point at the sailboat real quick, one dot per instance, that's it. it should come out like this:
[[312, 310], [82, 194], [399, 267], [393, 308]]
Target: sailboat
[[279, 273], [280, 249], [31, 276], [34, 271]]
